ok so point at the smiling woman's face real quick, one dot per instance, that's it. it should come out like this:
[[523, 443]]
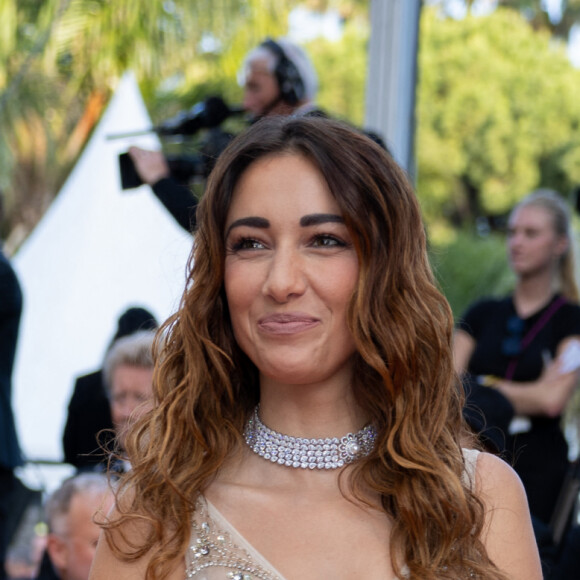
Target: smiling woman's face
[[290, 272]]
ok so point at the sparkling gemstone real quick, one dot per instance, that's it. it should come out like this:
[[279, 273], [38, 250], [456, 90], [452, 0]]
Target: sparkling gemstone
[[352, 447]]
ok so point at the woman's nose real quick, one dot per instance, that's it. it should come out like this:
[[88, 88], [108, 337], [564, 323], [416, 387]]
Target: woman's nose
[[285, 277]]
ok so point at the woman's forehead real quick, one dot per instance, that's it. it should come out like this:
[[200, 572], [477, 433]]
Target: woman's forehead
[[290, 180], [533, 215]]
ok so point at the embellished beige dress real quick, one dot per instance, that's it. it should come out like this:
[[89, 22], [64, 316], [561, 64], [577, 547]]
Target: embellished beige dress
[[217, 551]]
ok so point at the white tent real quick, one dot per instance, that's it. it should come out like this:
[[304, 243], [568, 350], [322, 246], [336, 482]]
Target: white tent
[[97, 251]]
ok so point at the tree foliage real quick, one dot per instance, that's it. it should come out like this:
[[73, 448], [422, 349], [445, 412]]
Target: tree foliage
[[562, 18], [342, 71], [536, 13], [498, 115], [459, 280]]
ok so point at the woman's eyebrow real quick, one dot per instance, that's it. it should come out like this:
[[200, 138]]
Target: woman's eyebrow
[[320, 218], [252, 222], [305, 221]]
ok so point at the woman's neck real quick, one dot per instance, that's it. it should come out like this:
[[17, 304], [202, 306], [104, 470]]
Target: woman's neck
[[533, 293], [310, 411]]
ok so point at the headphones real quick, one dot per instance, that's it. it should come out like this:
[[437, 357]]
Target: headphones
[[289, 80]]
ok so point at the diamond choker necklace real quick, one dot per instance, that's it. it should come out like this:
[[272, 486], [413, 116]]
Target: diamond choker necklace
[[329, 453]]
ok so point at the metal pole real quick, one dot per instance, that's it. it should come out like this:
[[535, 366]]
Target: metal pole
[[392, 75]]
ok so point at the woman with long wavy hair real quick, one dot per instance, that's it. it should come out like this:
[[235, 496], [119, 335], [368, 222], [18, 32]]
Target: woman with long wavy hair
[[307, 421]]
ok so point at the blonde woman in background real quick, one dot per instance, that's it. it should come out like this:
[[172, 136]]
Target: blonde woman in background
[[526, 345]]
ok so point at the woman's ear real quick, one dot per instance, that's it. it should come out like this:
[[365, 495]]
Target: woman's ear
[[58, 552]]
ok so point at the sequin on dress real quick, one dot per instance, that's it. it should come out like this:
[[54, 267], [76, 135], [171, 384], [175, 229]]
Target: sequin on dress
[[217, 551]]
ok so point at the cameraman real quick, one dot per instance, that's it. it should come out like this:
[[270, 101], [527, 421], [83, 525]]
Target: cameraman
[[278, 79]]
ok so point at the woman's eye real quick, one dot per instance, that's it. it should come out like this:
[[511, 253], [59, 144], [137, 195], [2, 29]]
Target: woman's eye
[[326, 241], [248, 244]]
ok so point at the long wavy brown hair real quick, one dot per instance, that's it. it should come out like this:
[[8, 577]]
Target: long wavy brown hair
[[206, 387]]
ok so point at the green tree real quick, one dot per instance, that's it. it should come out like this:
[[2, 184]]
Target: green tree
[[537, 14], [498, 115], [342, 70], [461, 282], [535, 11]]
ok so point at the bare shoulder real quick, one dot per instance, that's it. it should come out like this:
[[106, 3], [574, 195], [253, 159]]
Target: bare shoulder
[[493, 472], [108, 564], [508, 534]]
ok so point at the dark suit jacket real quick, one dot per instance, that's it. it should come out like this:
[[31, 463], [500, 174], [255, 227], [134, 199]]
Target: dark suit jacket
[[88, 413], [10, 310], [47, 571], [178, 200]]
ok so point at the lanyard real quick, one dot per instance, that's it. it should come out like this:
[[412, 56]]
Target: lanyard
[[531, 334]]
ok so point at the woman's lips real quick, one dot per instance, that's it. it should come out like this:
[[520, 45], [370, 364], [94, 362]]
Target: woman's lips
[[290, 323]]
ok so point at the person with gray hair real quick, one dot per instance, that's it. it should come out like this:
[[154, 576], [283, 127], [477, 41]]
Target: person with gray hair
[[89, 425], [128, 378], [73, 533], [279, 79]]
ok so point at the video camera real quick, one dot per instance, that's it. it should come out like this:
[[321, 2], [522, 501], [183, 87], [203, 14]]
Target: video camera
[[208, 115]]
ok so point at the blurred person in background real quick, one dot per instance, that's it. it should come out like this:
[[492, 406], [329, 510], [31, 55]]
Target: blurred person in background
[[10, 456], [89, 410], [128, 375], [278, 78], [72, 533], [526, 346]]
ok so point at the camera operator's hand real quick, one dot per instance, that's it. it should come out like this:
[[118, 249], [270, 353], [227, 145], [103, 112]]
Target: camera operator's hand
[[150, 165]]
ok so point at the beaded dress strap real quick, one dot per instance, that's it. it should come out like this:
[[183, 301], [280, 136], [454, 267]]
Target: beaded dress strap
[[218, 551]]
